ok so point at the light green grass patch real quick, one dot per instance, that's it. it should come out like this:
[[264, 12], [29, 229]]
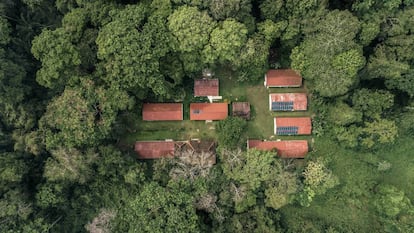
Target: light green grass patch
[[401, 157], [260, 126], [176, 130]]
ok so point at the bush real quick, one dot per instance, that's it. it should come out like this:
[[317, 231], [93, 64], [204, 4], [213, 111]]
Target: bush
[[230, 132]]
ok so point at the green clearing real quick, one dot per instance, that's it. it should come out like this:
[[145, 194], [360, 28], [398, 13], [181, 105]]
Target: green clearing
[[161, 130], [346, 203], [259, 127], [349, 206], [401, 157]]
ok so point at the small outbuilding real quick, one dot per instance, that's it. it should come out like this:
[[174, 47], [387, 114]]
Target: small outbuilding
[[208, 111], [288, 102], [284, 149], [206, 87], [241, 109], [292, 126], [162, 112], [155, 149], [282, 78]]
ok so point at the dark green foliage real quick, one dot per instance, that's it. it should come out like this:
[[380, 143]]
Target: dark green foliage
[[226, 42], [329, 57], [59, 58], [372, 103], [157, 209], [390, 201], [70, 71], [130, 50], [230, 132], [82, 116], [342, 114]]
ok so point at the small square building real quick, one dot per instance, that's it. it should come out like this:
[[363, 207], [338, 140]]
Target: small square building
[[241, 109]]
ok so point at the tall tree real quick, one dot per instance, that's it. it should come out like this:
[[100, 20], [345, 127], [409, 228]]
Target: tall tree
[[59, 58], [226, 42], [158, 209], [329, 57], [130, 47], [82, 115], [187, 21]]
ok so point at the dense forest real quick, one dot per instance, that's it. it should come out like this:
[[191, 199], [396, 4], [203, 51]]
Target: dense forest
[[74, 75]]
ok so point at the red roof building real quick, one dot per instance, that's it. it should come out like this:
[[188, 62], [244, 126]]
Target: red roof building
[[155, 149], [162, 112], [282, 78], [288, 102], [285, 149], [292, 126], [206, 87], [208, 111]]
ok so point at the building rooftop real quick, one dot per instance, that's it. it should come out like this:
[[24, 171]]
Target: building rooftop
[[288, 102], [241, 109], [285, 149], [206, 87], [208, 111], [162, 112], [283, 78], [292, 126], [154, 149]]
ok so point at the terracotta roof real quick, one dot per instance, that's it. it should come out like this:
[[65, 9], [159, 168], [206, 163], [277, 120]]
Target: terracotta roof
[[300, 100], [208, 111], [241, 109], [206, 87], [154, 149], [304, 124], [162, 112], [285, 149], [283, 78]]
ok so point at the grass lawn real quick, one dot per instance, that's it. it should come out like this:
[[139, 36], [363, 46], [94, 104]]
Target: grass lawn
[[349, 206], [259, 127], [177, 130], [261, 124]]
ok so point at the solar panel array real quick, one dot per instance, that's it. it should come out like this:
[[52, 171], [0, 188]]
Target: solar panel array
[[288, 130], [282, 106]]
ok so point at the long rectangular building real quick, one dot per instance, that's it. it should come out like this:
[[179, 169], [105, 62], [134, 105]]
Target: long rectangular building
[[288, 102], [284, 149], [282, 78], [162, 112], [208, 111], [292, 125], [155, 149]]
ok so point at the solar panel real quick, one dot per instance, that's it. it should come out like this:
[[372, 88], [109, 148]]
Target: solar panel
[[287, 130], [282, 106], [196, 111]]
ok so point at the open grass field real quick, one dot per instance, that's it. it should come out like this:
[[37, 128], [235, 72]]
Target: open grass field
[[261, 124], [401, 157], [259, 127], [349, 206], [348, 202], [177, 130]]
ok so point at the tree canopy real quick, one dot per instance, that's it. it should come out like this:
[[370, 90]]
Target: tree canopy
[[74, 75]]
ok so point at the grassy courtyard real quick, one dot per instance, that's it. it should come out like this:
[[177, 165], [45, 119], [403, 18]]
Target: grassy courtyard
[[259, 127]]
